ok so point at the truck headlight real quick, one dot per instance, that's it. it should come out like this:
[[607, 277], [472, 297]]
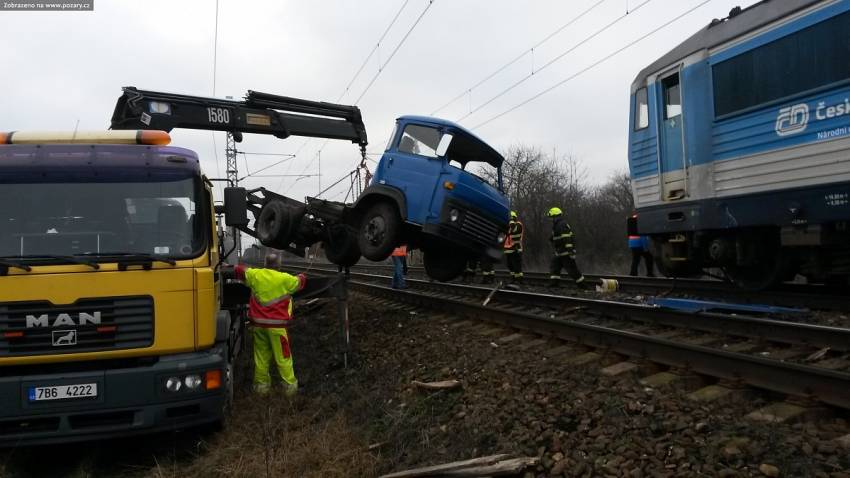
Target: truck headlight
[[500, 238], [454, 214], [173, 384], [192, 381]]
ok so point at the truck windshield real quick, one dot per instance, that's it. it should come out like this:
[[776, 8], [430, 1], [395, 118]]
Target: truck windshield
[[99, 219]]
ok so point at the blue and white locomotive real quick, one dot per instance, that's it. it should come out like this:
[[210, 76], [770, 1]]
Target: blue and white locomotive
[[739, 146]]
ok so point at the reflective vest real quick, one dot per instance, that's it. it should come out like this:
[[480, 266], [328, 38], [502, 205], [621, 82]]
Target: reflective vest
[[513, 242], [400, 251], [270, 305]]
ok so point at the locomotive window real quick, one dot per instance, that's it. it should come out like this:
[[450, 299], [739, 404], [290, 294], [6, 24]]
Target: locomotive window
[[808, 59], [672, 97], [641, 109]]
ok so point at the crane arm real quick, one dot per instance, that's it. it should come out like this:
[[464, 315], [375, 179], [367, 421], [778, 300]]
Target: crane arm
[[259, 113]]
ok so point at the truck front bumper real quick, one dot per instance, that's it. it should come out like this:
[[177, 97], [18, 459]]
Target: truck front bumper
[[130, 400], [470, 230]]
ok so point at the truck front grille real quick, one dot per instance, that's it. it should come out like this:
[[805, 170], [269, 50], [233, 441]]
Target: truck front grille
[[479, 229], [88, 325]]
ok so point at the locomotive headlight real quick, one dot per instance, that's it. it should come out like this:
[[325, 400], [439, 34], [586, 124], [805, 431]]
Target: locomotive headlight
[[173, 384], [454, 214], [192, 381]]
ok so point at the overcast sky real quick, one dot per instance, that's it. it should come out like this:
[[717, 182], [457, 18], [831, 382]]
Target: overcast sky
[[60, 68]]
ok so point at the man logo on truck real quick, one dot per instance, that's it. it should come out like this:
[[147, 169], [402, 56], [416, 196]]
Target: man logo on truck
[[63, 320]]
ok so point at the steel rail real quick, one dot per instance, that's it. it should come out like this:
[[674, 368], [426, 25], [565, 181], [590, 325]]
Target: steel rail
[[782, 331], [825, 385], [796, 295]]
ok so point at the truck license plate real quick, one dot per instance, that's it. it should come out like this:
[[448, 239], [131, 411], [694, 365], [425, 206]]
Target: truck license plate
[[63, 392]]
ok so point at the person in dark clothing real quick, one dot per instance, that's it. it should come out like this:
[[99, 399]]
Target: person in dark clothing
[[565, 251], [488, 274], [639, 246], [513, 248], [469, 272]]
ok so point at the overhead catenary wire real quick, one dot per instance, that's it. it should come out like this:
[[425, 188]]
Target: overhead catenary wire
[[374, 49], [553, 60], [372, 81], [519, 57], [395, 50], [249, 153], [348, 87], [254, 174], [592, 65]]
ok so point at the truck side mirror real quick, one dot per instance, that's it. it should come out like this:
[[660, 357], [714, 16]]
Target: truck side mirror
[[235, 207], [443, 147]]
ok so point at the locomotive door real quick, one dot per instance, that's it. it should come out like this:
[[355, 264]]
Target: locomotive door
[[672, 161]]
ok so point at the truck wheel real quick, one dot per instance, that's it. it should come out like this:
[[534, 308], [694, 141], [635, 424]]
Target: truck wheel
[[273, 225], [379, 230], [341, 247], [444, 263], [229, 392]]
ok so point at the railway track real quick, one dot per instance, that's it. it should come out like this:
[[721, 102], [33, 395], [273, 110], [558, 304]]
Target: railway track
[[794, 359], [815, 297]]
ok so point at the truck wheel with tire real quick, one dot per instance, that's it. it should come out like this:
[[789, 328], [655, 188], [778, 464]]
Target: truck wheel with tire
[[444, 263], [379, 231], [273, 225], [341, 247]]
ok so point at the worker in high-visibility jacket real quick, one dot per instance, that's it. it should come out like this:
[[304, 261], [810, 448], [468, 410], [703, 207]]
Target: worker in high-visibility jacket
[[513, 248], [270, 313], [565, 251], [639, 245]]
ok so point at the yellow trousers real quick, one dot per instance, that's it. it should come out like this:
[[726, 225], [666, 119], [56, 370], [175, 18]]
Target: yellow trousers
[[273, 345]]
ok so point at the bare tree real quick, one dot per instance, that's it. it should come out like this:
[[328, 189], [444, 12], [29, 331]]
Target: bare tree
[[535, 182]]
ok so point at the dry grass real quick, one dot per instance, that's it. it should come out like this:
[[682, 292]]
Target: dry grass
[[276, 437]]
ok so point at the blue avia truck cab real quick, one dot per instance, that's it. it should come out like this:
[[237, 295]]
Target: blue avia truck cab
[[423, 195]]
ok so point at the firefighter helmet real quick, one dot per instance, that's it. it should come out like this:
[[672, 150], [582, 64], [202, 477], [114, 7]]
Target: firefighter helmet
[[555, 212]]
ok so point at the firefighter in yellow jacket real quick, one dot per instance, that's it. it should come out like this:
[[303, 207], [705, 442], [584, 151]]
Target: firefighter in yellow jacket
[[270, 312], [565, 250]]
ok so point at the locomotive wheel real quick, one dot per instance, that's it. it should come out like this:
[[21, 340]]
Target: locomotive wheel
[[758, 276], [669, 268], [767, 268]]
